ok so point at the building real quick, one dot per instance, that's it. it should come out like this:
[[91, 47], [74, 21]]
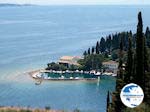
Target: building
[[69, 60], [111, 66]]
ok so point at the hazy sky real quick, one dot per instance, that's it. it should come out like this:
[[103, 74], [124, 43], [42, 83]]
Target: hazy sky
[[76, 2]]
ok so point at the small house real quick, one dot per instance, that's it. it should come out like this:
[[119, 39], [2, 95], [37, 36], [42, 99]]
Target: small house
[[111, 66]]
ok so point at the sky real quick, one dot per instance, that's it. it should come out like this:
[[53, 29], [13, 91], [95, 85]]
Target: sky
[[79, 2]]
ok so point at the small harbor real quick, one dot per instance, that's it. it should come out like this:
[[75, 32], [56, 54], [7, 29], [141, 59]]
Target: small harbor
[[69, 68], [68, 75]]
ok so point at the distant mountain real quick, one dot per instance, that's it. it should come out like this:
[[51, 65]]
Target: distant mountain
[[10, 5]]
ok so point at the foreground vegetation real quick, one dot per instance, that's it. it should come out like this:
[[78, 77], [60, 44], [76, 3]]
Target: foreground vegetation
[[137, 70], [18, 109]]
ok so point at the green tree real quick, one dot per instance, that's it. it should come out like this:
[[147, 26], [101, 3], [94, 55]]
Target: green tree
[[120, 67], [89, 51], [146, 59], [93, 50], [146, 75], [102, 45], [114, 55], [85, 53], [117, 105], [147, 88], [129, 64], [147, 35], [109, 43], [139, 79], [91, 62], [97, 47]]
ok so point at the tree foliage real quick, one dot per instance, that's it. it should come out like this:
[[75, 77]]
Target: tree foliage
[[137, 68], [92, 62], [55, 66]]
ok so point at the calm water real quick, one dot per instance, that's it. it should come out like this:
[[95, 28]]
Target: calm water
[[32, 36]]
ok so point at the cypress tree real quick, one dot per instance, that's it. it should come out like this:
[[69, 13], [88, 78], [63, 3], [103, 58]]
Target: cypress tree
[[106, 42], [129, 64], [133, 77], [89, 51], [93, 49], [120, 75], [142, 66], [102, 45], [147, 34], [146, 79], [108, 101], [97, 47], [109, 43], [146, 64], [85, 53], [140, 53], [147, 88], [117, 103]]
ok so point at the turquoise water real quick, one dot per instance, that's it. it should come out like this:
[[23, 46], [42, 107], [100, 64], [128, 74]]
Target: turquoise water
[[32, 36], [69, 95]]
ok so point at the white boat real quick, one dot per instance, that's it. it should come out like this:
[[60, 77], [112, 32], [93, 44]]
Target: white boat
[[86, 72], [49, 78], [97, 73], [114, 75], [62, 77], [71, 77], [107, 73], [77, 71], [67, 71], [77, 78], [81, 71]]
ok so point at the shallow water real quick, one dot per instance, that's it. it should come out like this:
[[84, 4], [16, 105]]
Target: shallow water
[[30, 37], [67, 95]]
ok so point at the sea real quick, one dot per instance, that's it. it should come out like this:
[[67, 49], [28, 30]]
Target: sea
[[32, 36]]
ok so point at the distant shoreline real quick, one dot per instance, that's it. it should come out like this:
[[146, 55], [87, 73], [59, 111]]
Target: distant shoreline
[[14, 5], [28, 4]]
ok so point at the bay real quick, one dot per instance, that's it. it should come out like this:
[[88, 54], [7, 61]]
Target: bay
[[32, 36]]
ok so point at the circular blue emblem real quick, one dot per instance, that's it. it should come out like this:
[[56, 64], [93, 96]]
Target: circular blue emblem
[[132, 95]]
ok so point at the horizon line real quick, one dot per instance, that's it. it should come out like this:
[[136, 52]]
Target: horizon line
[[94, 4], [74, 4]]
